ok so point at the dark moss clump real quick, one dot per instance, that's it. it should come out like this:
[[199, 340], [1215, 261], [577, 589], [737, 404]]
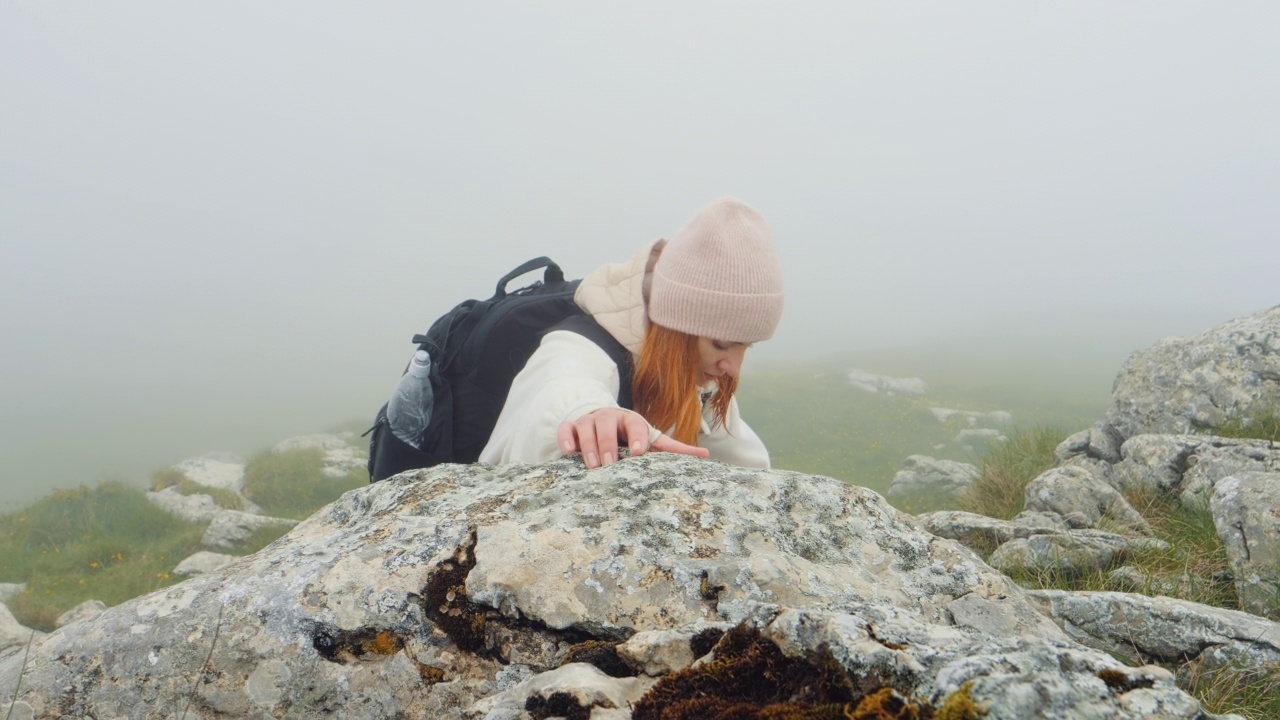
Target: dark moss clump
[[603, 655], [748, 678], [558, 704], [430, 674], [704, 640], [444, 600], [707, 590], [1120, 681], [887, 703]]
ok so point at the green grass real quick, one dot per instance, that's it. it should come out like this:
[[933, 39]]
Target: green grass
[[106, 543], [292, 484], [1264, 425], [109, 543]]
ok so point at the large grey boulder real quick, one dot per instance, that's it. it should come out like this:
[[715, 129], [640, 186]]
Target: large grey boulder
[[921, 474], [1182, 385], [432, 593], [1246, 514]]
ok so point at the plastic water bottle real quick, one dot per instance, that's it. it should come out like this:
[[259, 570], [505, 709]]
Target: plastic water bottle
[[409, 410]]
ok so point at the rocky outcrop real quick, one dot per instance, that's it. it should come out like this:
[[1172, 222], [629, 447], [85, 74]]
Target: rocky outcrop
[[1075, 491], [1071, 552], [1188, 465], [83, 611], [1184, 385], [1178, 633], [13, 634], [923, 475], [229, 529], [461, 592], [195, 508], [871, 382], [972, 418], [202, 562], [217, 470], [339, 455]]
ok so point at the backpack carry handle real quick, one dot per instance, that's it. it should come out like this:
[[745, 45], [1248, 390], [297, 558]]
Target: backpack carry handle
[[553, 274]]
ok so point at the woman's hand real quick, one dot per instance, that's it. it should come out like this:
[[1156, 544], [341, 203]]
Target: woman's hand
[[599, 434]]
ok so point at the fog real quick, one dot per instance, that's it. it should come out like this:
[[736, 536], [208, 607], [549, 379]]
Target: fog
[[220, 223]]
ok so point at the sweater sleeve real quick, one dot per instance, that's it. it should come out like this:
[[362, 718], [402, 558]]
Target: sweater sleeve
[[567, 377]]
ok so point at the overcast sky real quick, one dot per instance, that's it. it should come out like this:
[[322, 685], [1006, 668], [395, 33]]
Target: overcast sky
[[220, 223]]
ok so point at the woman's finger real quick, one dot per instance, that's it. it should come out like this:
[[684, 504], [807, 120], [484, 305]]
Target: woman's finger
[[669, 444]]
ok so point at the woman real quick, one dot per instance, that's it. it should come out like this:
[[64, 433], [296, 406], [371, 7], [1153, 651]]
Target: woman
[[687, 309]]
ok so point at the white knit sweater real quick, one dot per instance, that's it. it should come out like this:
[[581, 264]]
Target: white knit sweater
[[569, 376]]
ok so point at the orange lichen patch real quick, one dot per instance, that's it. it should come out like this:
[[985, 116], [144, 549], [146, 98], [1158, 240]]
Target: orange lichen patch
[[384, 643]]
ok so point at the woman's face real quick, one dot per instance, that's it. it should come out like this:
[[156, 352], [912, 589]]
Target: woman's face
[[719, 357]]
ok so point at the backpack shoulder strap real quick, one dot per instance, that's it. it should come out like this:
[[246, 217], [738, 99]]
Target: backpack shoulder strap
[[586, 326]]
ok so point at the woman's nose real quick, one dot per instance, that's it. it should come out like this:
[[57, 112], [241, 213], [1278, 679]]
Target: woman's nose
[[731, 364]]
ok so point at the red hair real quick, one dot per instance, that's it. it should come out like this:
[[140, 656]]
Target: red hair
[[664, 386]]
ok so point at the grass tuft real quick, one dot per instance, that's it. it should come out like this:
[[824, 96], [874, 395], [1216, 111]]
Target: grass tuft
[[1007, 468], [1251, 691]]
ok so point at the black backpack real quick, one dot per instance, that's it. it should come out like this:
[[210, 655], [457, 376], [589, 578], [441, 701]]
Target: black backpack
[[476, 351]]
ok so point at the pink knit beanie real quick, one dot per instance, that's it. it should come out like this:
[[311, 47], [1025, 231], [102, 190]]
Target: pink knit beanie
[[719, 276]]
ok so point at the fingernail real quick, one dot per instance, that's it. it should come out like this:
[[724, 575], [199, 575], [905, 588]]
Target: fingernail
[[608, 458], [591, 460], [637, 447], [568, 446]]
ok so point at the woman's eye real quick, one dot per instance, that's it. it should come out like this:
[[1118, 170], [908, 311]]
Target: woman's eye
[[719, 345]]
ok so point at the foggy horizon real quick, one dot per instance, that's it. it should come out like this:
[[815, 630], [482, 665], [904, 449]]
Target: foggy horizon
[[222, 223]]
